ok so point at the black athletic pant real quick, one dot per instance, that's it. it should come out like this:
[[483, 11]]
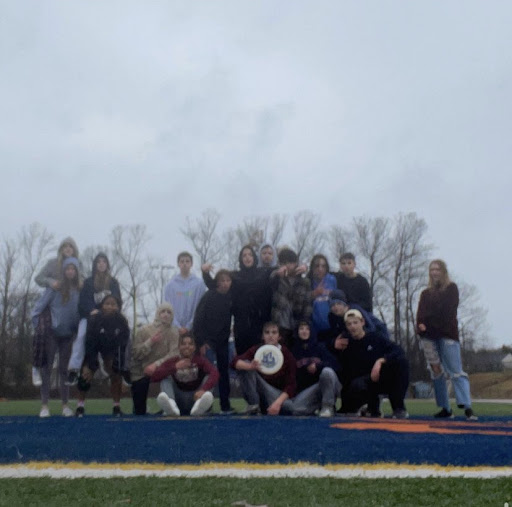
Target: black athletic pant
[[140, 390]]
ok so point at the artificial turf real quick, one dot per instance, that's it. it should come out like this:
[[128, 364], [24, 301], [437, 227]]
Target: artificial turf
[[269, 492], [104, 406]]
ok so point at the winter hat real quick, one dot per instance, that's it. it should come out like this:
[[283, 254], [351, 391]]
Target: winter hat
[[337, 296], [70, 260]]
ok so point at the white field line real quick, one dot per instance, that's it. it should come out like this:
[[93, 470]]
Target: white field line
[[242, 471]]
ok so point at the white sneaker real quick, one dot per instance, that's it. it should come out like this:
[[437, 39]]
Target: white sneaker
[[45, 412], [67, 412], [36, 376], [326, 412], [203, 404], [168, 405]]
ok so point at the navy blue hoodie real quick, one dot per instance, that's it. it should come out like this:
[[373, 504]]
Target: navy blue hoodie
[[90, 298], [307, 352], [358, 358]]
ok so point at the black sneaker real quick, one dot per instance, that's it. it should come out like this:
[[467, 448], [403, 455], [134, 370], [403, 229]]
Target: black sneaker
[[72, 378], [116, 411], [374, 413], [80, 411], [444, 414], [470, 416], [400, 413]]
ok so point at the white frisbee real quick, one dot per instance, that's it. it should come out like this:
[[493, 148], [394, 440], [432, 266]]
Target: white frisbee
[[270, 358]]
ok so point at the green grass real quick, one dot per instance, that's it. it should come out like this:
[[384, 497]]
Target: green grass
[[271, 492], [92, 406], [104, 406]]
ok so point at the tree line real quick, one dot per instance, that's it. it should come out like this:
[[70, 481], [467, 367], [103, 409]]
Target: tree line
[[392, 252]]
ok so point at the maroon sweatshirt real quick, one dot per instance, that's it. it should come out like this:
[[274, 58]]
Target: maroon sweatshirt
[[437, 309], [188, 379], [284, 378]]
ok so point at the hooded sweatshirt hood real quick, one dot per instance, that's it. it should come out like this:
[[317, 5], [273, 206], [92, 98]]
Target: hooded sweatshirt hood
[[101, 255], [69, 241], [254, 256], [163, 306]]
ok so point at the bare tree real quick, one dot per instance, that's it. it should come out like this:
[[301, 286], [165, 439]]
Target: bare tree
[[152, 296], [252, 231], [201, 232], [231, 249], [373, 243], [340, 241], [308, 236], [277, 227], [408, 264], [128, 242], [472, 316], [9, 252]]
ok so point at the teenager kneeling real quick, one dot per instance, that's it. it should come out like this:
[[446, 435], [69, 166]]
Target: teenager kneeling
[[370, 366]]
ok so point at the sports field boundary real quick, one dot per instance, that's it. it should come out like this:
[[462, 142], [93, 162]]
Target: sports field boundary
[[246, 470]]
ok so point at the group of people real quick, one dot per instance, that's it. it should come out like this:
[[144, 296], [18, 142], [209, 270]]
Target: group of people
[[329, 342]]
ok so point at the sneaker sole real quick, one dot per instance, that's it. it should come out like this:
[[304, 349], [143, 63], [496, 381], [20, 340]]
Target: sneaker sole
[[165, 403], [202, 405]]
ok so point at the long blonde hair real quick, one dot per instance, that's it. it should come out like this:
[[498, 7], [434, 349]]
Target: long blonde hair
[[445, 279], [101, 280], [69, 285]]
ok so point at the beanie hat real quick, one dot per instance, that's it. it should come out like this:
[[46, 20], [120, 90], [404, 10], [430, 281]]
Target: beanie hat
[[337, 296], [70, 260]]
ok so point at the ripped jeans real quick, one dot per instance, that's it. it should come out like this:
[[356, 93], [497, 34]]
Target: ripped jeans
[[446, 353]]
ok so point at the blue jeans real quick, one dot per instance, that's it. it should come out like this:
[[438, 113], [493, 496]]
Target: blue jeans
[[449, 358]]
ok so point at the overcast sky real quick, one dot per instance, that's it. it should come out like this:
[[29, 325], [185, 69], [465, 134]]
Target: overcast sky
[[119, 112]]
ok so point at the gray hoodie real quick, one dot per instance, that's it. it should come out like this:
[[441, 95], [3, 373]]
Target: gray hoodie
[[50, 272], [65, 316]]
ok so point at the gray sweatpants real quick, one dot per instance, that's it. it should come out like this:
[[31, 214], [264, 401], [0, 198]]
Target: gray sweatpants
[[63, 345]]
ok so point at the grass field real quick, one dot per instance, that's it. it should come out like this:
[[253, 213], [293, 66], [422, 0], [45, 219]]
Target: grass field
[[269, 492], [104, 406]]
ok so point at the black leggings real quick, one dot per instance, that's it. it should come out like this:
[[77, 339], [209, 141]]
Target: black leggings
[[140, 390]]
